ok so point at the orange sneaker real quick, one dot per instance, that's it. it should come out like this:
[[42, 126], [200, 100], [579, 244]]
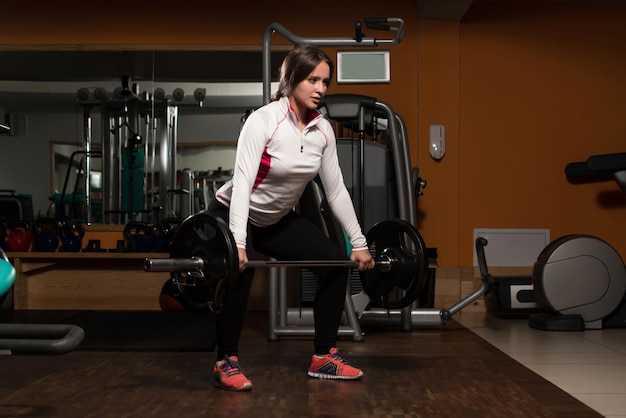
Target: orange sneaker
[[333, 366], [230, 376]]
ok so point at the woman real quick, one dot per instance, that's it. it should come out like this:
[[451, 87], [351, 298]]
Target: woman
[[282, 147]]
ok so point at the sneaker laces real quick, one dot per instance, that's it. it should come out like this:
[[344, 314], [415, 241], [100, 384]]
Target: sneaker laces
[[231, 367], [337, 356]]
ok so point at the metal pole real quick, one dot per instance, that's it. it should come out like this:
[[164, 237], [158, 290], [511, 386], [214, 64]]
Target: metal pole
[[146, 149], [87, 192], [110, 166], [187, 193], [362, 165]]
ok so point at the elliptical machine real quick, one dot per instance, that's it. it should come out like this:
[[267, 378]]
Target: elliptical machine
[[580, 280]]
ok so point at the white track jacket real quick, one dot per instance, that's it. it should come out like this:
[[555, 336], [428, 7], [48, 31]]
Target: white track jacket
[[275, 161]]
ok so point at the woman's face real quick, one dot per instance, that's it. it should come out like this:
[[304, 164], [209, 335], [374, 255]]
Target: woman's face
[[310, 91]]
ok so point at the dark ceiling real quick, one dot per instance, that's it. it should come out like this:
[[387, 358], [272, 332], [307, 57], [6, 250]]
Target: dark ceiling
[[50, 67], [176, 66]]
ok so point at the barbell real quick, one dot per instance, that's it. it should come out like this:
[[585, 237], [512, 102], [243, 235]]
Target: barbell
[[204, 264], [196, 263]]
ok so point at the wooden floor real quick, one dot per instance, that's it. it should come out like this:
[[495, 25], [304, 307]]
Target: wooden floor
[[440, 372]]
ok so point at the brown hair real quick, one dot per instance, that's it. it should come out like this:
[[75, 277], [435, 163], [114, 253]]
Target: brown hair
[[297, 65]]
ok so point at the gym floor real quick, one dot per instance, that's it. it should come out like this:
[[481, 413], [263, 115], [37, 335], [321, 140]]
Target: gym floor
[[589, 365], [446, 371]]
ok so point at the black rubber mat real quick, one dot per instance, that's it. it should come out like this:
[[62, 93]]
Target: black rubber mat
[[129, 330]]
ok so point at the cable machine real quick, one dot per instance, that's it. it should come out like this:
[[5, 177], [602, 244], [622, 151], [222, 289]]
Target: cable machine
[[138, 155], [279, 321]]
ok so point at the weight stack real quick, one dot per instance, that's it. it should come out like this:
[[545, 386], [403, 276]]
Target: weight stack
[[380, 194], [132, 179]]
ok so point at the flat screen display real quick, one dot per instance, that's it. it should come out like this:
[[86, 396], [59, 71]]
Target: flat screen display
[[363, 67]]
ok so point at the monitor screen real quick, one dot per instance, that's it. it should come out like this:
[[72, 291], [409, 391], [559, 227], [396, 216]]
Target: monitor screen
[[363, 67]]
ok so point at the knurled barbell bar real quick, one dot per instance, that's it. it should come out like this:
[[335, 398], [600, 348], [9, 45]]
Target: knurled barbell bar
[[204, 261], [384, 263]]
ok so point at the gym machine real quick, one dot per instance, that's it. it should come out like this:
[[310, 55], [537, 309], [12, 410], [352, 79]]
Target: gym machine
[[390, 164], [352, 107], [580, 280], [136, 183], [132, 124]]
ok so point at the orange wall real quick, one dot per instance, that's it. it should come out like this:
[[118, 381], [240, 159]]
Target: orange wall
[[438, 52], [522, 87], [540, 86]]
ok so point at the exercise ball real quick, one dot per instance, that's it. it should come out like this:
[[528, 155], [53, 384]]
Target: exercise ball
[[7, 276]]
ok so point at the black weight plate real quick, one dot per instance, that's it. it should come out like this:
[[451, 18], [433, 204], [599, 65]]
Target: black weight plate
[[209, 238], [407, 276]]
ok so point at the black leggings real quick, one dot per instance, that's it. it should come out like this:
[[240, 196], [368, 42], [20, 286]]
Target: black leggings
[[291, 238]]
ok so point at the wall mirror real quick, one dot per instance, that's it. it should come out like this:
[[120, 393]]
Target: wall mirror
[[39, 98]]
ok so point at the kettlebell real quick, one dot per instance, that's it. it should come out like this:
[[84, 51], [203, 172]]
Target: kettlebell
[[138, 237], [72, 234], [46, 232], [18, 236]]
